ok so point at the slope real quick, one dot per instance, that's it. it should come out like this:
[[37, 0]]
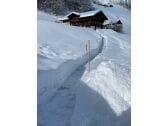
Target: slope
[[67, 93], [110, 97]]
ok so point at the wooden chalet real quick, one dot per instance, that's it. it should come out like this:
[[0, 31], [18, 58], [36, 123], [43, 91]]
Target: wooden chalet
[[86, 19]]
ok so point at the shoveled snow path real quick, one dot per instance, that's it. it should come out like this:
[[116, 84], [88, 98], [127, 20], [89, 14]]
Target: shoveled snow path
[[58, 109], [106, 87]]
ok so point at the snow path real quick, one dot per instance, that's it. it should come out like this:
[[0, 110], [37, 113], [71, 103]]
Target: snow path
[[106, 87], [57, 108]]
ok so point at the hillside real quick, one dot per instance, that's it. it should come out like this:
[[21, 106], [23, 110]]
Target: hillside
[[70, 95], [64, 6], [125, 3]]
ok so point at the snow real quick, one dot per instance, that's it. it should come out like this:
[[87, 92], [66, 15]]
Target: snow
[[43, 16], [58, 40], [63, 18], [76, 13], [108, 2], [108, 99], [70, 95], [89, 13]]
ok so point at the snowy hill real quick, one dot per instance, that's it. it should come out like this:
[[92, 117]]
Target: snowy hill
[[126, 3], [69, 95]]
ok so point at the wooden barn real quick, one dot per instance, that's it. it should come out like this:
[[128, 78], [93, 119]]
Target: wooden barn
[[116, 26], [86, 19]]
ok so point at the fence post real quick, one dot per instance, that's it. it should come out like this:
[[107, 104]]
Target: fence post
[[89, 53], [87, 47]]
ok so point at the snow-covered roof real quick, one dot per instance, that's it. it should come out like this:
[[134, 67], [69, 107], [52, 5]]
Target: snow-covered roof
[[76, 13], [115, 21], [89, 13], [66, 17], [81, 15]]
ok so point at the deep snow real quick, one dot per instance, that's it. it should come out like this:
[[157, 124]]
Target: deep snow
[[109, 2], [67, 93]]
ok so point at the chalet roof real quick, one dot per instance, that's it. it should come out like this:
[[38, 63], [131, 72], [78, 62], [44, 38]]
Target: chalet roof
[[118, 22], [66, 17], [84, 14], [75, 13], [89, 13]]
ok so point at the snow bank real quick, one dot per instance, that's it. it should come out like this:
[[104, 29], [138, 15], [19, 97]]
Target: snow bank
[[58, 42], [60, 48], [102, 96], [50, 80]]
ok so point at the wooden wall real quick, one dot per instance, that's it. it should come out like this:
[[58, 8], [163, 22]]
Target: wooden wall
[[87, 21]]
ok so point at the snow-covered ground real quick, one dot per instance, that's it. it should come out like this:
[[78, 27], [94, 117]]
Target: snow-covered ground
[[109, 2], [69, 95]]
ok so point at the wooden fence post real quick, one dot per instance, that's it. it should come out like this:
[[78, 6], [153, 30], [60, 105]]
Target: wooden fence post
[[89, 53], [87, 47]]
